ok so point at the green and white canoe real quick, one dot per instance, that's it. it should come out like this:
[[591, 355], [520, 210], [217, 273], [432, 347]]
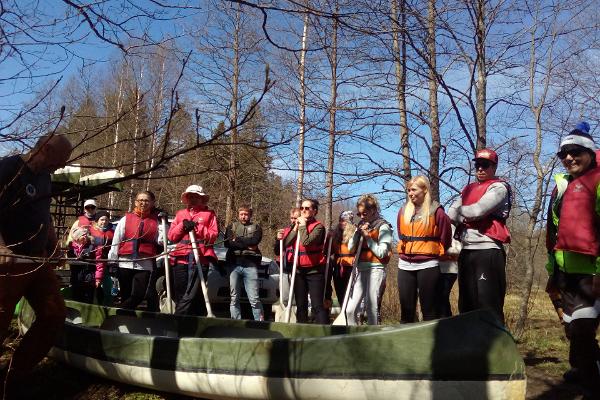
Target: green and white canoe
[[470, 356]]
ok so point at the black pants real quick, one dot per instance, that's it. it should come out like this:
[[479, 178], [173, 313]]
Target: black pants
[[310, 281], [83, 282], [186, 290], [580, 327], [445, 287], [340, 281], [133, 286], [425, 283], [482, 280]]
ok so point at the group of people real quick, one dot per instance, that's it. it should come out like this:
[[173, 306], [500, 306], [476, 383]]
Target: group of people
[[432, 246], [435, 249]]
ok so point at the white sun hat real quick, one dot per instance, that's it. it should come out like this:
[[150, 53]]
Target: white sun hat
[[194, 189]]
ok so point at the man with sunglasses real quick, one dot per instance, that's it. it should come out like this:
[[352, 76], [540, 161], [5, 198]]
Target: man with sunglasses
[[574, 255], [480, 217]]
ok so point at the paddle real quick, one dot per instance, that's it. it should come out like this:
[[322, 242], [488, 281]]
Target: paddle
[[279, 308], [342, 319], [327, 266], [288, 311], [170, 309], [209, 312]]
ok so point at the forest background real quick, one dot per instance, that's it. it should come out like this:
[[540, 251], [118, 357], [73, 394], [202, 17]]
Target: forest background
[[265, 103]]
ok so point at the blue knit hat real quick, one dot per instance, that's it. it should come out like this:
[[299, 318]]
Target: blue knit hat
[[580, 136]]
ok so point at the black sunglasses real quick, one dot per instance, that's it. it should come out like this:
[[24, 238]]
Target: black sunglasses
[[483, 164], [573, 152], [306, 208]]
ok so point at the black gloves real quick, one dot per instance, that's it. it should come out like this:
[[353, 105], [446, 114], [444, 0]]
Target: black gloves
[[188, 225]]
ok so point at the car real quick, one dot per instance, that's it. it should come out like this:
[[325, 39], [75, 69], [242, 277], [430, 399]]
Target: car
[[218, 284]]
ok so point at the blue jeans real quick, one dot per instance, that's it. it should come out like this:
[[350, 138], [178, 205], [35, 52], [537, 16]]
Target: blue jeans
[[249, 275]]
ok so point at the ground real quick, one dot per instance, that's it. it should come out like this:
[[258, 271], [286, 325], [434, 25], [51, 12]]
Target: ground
[[543, 346]]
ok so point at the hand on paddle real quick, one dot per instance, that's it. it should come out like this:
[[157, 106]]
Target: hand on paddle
[[188, 225]]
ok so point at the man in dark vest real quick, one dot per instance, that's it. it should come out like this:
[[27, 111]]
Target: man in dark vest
[[480, 215], [26, 229], [243, 256], [574, 254]]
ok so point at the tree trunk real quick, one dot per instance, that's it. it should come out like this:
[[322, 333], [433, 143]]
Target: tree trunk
[[302, 131], [332, 128], [233, 120], [481, 85], [111, 195], [434, 121], [399, 54]]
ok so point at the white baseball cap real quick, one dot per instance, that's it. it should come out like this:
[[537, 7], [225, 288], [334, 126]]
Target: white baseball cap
[[90, 202], [195, 189]]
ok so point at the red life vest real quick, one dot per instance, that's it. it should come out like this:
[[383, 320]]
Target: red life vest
[[140, 236], [183, 249], [102, 240], [491, 226], [311, 256], [289, 251], [578, 227], [84, 222]]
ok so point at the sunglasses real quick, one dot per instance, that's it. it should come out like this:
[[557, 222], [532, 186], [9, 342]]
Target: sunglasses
[[306, 208], [573, 152], [483, 164]]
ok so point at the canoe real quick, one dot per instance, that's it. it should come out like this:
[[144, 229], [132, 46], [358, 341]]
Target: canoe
[[464, 357]]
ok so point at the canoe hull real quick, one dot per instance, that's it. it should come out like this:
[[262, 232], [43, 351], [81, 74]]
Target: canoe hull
[[229, 359]]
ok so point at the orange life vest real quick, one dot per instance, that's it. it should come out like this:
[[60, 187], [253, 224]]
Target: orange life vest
[[343, 256], [366, 255], [418, 238]]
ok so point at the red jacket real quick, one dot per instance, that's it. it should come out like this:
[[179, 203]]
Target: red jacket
[[102, 240], [206, 233], [489, 225]]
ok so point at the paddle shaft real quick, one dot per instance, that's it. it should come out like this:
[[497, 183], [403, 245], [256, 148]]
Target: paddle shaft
[[327, 267], [281, 271], [209, 312], [288, 310], [167, 267], [353, 276]]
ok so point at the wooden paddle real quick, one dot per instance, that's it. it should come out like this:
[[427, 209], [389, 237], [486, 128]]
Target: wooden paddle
[[170, 309], [342, 319], [288, 311], [209, 312]]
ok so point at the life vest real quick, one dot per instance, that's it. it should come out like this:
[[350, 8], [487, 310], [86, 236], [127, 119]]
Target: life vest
[[85, 222], [366, 255], [140, 236], [183, 249], [244, 231], [492, 226], [343, 256], [578, 227], [311, 256], [289, 251], [102, 240], [418, 238]]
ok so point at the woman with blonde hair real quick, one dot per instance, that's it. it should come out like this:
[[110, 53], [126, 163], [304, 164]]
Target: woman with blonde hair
[[425, 234]]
